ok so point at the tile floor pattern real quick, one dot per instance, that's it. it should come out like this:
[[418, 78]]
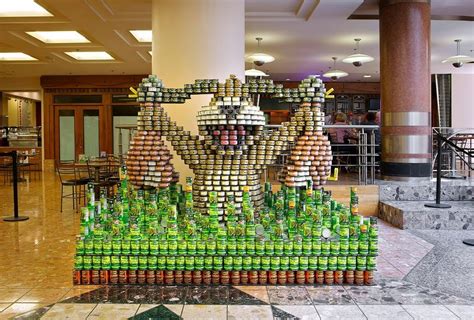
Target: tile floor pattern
[[36, 259]]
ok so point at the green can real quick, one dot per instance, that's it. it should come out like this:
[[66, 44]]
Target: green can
[[275, 263], [201, 247], [269, 247], [237, 263], [307, 247], [208, 262], [182, 247], [373, 232], [115, 262], [217, 263], [98, 246], [126, 246], [341, 263], [231, 246], [163, 246], [78, 263], [353, 246], [133, 263], [335, 246], [344, 232], [221, 247], [322, 263], [304, 263], [344, 247], [80, 248], [260, 247], [361, 262], [241, 247], [143, 262], [265, 263], [135, 246], [170, 263], [278, 243], [298, 247], [332, 263], [247, 263], [180, 263], [172, 247], [325, 247], [116, 245], [124, 265], [363, 247], [189, 263], [228, 263], [154, 247], [373, 247], [144, 246], [316, 246], [87, 262], [152, 262], [199, 262], [250, 246], [284, 263], [313, 263], [294, 263], [316, 231], [351, 263], [371, 262], [191, 247], [288, 247], [161, 263], [256, 263]]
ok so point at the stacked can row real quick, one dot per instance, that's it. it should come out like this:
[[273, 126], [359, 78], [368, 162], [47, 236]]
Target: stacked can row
[[197, 277], [228, 263]]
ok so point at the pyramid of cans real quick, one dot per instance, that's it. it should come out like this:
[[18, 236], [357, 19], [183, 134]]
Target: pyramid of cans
[[156, 236]]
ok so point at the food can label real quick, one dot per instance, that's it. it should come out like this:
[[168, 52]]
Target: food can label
[[161, 262], [275, 263], [322, 263], [332, 263], [284, 263], [278, 246], [78, 262], [294, 263], [106, 262], [256, 262], [189, 263], [152, 262], [304, 261], [371, 262], [237, 263], [133, 262], [87, 262], [342, 262]]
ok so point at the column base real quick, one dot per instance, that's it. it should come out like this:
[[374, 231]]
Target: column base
[[401, 171]]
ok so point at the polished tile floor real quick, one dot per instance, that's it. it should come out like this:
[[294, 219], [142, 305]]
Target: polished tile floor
[[36, 259]]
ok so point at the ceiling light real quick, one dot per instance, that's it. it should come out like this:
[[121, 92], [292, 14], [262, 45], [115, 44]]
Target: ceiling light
[[255, 73], [16, 56], [458, 60], [90, 55], [151, 53], [23, 8], [260, 59], [335, 74], [142, 35], [367, 76], [287, 79], [357, 59], [59, 36]]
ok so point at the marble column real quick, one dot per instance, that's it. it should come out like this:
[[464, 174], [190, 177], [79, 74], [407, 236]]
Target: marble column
[[198, 39], [405, 89]]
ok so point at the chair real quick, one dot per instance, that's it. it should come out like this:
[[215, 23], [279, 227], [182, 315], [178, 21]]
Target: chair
[[69, 177], [100, 176]]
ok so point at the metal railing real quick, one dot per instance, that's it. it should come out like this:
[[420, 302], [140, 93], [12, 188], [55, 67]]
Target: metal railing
[[457, 152], [360, 153]]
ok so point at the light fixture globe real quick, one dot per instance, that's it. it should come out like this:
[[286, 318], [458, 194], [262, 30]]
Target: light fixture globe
[[255, 73], [459, 59], [357, 59], [334, 73], [259, 59]]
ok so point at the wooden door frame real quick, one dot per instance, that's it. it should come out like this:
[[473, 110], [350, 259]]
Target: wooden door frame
[[79, 127]]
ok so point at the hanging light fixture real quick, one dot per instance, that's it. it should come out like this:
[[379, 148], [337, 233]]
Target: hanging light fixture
[[335, 74], [357, 59], [259, 59], [458, 60], [255, 73]]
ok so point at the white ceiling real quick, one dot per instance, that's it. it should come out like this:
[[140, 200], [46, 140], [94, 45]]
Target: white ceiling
[[302, 35]]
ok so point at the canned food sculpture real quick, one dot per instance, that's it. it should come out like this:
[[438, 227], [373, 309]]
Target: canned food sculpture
[[157, 237], [232, 150]]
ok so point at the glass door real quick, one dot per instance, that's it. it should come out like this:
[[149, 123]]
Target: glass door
[[78, 132]]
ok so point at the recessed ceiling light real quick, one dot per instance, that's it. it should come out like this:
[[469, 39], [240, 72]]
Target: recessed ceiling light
[[90, 55], [59, 36], [16, 56], [142, 35], [287, 79], [367, 76], [151, 53], [23, 8]]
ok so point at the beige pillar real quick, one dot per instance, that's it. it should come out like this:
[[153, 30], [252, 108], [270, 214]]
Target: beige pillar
[[198, 39]]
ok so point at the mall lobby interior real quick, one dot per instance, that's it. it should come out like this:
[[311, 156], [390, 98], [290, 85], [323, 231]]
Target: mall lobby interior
[[237, 159]]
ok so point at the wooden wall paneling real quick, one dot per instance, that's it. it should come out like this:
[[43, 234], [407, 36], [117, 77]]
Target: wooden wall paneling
[[92, 81], [48, 126], [108, 123]]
